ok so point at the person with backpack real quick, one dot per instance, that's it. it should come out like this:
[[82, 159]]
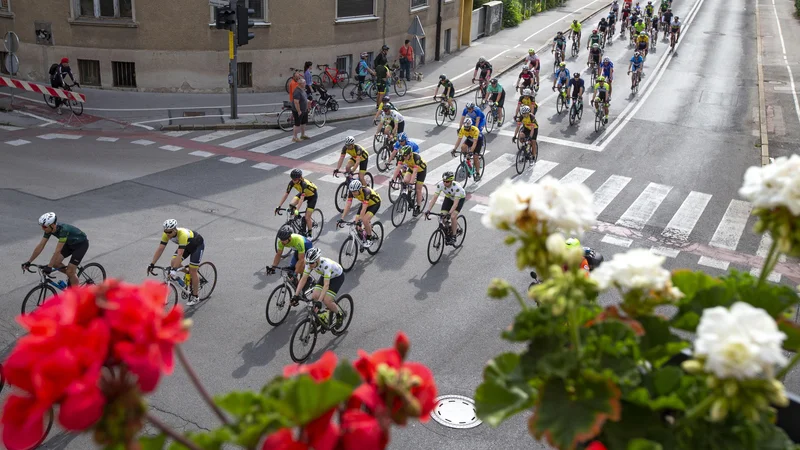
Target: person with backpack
[[57, 74]]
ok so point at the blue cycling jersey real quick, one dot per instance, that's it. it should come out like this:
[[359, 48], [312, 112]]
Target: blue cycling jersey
[[410, 143], [607, 68], [361, 69], [563, 74], [637, 61], [477, 116]]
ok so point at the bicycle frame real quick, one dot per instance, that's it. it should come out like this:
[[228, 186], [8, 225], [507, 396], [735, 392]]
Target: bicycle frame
[[187, 289]]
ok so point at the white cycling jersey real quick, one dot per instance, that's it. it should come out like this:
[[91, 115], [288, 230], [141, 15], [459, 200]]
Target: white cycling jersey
[[327, 268], [392, 116], [455, 191], [531, 59]]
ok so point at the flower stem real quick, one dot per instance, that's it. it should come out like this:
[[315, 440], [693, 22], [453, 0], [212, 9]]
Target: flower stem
[[793, 362], [177, 437], [199, 386], [519, 298], [769, 263], [700, 407]]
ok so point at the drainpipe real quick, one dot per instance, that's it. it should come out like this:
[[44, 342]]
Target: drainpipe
[[385, 18], [438, 29]]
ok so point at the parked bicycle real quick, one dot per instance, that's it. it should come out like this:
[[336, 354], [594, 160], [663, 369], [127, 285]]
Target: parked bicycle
[[316, 112], [343, 191], [466, 168], [331, 76], [353, 93], [576, 111], [296, 219], [527, 152], [280, 301], [443, 111], [443, 235], [407, 200], [92, 273], [289, 80], [493, 118], [357, 243], [304, 337], [183, 284], [75, 106], [397, 82]]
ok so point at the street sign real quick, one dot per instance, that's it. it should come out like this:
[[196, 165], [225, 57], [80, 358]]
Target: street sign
[[12, 63], [230, 45], [11, 42], [219, 3], [416, 27]]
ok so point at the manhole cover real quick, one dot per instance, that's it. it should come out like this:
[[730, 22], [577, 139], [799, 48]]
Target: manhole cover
[[455, 411]]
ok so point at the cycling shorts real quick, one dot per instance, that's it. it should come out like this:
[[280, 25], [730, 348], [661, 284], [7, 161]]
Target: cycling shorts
[[479, 147], [449, 93], [77, 251], [333, 287], [642, 45], [381, 86], [421, 176], [311, 202], [527, 132], [493, 97], [362, 166], [194, 252], [447, 204], [373, 209]]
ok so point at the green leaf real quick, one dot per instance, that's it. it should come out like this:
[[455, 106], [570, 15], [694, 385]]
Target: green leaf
[[641, 396], [637, 423], [658, 344], [667, 379], [568, 414], [690, 283], [212, 440], [792, 331], [548, 356], [240, 403], [152, 442], [773, 298], [644, 444], [691, 309], [347, 374], [504, 391], [309, 399]]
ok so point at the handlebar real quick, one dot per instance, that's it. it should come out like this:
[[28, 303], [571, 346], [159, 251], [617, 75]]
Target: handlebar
[[283, 269], [323, 66], [279, 211], [41, 267], [346, 173]]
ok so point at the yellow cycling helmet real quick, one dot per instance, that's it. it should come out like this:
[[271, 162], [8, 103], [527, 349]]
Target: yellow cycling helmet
[[573, 243]]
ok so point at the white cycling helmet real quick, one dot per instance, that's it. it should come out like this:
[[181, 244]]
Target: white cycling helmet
[[467, 122], [355, 185], [313, 255], [527, 92], [525, 109], [47, 219], [170, 224], [469, 105], [349, 140]]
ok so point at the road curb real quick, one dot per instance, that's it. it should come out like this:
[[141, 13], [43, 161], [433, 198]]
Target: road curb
[[762, 102], [413, 105]]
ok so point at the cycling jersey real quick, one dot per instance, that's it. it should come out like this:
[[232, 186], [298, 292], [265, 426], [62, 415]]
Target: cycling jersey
[[327, 268], [410, 143], [576, 27], [484, 67], [526, 75], [675, 25], [455, 190], [603, 24], [471, 133], [529, 122], [392, 117], [607, 68], [577, 84], [494, 90], [648, 10], [477, 116], [637, 61], [184, 238], [527, 100], [594, 39], [532, 60], [642, 40], [297, 243], [415, 162], [365, 195], [447, 85], [639, 27], [355, 152], [602, 89], [361, 69], [563, 74], [560, 41], [68, 234], [305, 187]]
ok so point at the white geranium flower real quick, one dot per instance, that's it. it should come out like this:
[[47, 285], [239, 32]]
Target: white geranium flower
[[636, 269], [556, 245], [505, 204], [777, 184], [743, 342]]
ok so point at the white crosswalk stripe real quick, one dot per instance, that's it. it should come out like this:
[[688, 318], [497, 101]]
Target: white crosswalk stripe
[[492, 170], [682, 223], [232, 160], [107, 139], [713, 262], [264, 166], [50, 136], [202, 154], [616, 240], [664, 251], [215, 135], [250, 138], [171, 148], [644, 206], [9, 128], [577, 175], [763, 251], [18, 142], [541, 169], [143, 142], [732, 225], [278, 144], [176, 133], [606, 193]]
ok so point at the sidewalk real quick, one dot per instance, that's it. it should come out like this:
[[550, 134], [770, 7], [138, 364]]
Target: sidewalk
[[169, 111]]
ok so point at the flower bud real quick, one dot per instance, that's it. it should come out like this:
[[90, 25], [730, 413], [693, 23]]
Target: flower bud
[[574, 256], [712, 382], [401, 343], [498, 288], [778, 394], [556, 245], [510, 239], [719, 410], [730, 388], [692, 366]]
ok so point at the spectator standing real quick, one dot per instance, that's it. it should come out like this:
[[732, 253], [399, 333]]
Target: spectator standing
[[382, 59], [300, 111], [296, 76], [307, 76], [406, 60]]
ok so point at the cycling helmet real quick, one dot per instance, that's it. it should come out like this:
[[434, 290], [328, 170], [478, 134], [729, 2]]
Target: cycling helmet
[[494, 80], [606, 60], [649, 3], [405, 151], [562, 64], [386, 98], [601, 78], [637, 54], [169, 224], [481, 59], [467, 122], [469, 105], [386, 107], [676, 18], [560, 33], [364, 55], [525, 109], [530, 50], [50, 218], [573, 243], [643, 33], [386, 47], [576, 75], [594, 31], [403, 137], [595, 45], [527, 92], [524, 69], [639, 19], [448, 176], [284, 233], [575, 21], [297, 173], [349, 140], [355, 185], [442, 77], [313, 255]]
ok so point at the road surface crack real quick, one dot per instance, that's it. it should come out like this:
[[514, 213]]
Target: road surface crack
[[187, 421]]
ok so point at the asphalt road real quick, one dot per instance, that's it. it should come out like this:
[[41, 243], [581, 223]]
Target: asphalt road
[[665, 174]]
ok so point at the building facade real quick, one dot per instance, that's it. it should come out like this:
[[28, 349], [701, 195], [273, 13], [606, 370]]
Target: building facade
[[173, 45]]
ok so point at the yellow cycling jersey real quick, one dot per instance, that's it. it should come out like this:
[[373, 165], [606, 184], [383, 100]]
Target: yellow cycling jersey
[[184, 237], [529, 122], [415, 161], [303, 186], [470, 133], [643, 39], [366, 195], [356, 151], [576, 27]]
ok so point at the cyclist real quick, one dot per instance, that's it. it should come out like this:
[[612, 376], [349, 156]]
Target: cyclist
[[391, 123], [386, 100], [58, 74], [382, 74], [417, 170], [663, 7], [370, 204], [594, 38], [675, 29], [71, 242], [562, 75], [402, 141], [615, 6], [362, 69], [331, 279], [594, 57], [602, 27], [559, 43], [636, 65], [575, 243], [299, 245], [639, 26], [477, 116], [449, 91], [667, 19], [649, 9], [626, 13], [526, 77], [575, 89], [486, 71], [472, 145], [602, 94], [454, 198], [534, 63], [190, 245], [359, 156], [526, 99], [497, 95], [607, 70], [612, 19], [638, 8], [306, 191], [575, 28], [530, 129]]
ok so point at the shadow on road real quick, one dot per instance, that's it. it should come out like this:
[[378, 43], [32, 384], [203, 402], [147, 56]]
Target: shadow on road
[[431, 279], [261, 352]]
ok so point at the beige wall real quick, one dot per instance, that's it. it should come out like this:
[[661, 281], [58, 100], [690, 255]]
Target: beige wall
[[174, 47]]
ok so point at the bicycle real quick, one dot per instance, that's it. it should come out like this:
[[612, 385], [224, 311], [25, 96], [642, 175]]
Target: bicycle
[[357, 242], [466, 168], [575, 49], [561, 100], [343, 191], [493, 116], [593, 69], [207, 272], [407, 200], [480, 93], [557, 60], [603, 39], [527, 151], [673, 38], [353, 92], [383, 154], [381, 141], [575, 111], [599, 116], [92, 273], [307, 329], [297, 221], [75, 106], [653, 32], [331, 76], [443, 235], [316, 112], [282, 295], [635, 79], [398, 83], [443, 111]]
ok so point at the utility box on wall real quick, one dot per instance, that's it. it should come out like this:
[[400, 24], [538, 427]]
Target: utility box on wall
[[493, 18]]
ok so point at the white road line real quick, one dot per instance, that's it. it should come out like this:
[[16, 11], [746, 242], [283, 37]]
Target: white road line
[[374, 161], [264, 166], [9, 128], [215, 135], [644, 206], [171, 148], [764, 245], [431, 153], [732, 225], [43, 119], [314, 146], [232, 160], [278, 144], [664, 251], [436, 174], [542, 168], [618, 241], [577, 175], [176, 133], [144, 142], [50, 136], [774, 277], [684, 220], [715, 263], [202, 154], [606, 193], [107, 139], [559, 20], [480, 209], [250, 138], [18, 142], [492, 169], [332, 179], [786, 61]]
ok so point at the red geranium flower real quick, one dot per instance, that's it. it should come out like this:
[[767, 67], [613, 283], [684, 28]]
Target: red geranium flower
[[23, 422], [283, 439], [596, 445], [319, 371], [361, 431]]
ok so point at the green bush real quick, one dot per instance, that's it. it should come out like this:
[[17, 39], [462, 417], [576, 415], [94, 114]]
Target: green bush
[[797, 6], [512, 13], [478, 3]]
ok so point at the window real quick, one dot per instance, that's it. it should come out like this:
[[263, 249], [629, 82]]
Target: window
[[355, 8], [343, 63], [5, 6], [448, 35], [89, 72], [418, 4], [370, 58], [259, 6], [113, 9], [124, 74], [244, 74]]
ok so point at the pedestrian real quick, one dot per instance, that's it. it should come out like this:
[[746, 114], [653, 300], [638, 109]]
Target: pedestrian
[[307, 76], [296, 76], [300, 111], [382, 59], [406, 60]]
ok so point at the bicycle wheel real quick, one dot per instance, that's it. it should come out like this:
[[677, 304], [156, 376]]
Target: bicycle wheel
[[461, 175], [350, 93], [598, 121], [377, 232], [208, 279], [399, 210], [574, 49], [501, 116], [478, 95], [454, 110], [92, 273], [348, 254], [400, 87], [286, 120], [424, 197], [36, 298], [382, 162], [482, 163], [435, 246], [461, 232], [372, 91], [75, 106], [341, 197], [172, 298], [316, 79], [573, 114], [278, 305], [286, 87], [317, 222], [342, 79], [489, 122], [377, 142], [394, 190], [305, 337], [50, 100], [345, 303], [368, 178], [520, 161], [441, 113], [559, 103], [320, 116]]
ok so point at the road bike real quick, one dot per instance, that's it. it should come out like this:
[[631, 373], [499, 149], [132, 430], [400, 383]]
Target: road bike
[[357, 243], [75, 106], [343, 191], [316, 112], [289, 80], [207, 272], [561, 100], [443, 111], [557, 61], [673, 38], [653, 38], [527, 151], [593, 68], [443, 235], [296, 219], [636, 77], [382, 140], [304, 337], [92, 273], [407, 200], [280, 301], [575, 49], [480, 93], [603, 39], [493, 118], [576, 111], [354, 91], [466, 167], [384, 153], [611, 31], [331, 76], [599, 116], [397, 83]]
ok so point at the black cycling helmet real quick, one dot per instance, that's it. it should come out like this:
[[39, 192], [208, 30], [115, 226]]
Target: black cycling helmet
[[285, 232], [385, 47], [442, 77], [494, 80], [296, 173]]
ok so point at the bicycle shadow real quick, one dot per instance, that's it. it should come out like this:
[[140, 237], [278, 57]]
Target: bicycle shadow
[[59, 441], [263, 279], [262, 352], [431, 280]]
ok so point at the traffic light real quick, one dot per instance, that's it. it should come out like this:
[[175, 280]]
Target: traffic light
[[225, 18], [243, 24]]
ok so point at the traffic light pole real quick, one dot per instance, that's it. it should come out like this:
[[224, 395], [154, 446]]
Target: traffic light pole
[[233, 76]]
